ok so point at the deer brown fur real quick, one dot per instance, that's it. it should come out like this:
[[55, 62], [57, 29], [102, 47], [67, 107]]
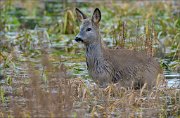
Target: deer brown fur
[[127, 67]]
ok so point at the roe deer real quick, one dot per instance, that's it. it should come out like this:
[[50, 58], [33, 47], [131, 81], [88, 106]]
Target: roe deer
[[127, 67]]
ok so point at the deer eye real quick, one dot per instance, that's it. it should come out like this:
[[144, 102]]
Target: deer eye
[[88, 29]]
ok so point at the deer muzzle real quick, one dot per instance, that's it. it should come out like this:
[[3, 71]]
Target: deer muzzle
[[78, 39]]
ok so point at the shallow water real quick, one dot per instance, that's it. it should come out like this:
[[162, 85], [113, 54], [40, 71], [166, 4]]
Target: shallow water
[[173, 79]]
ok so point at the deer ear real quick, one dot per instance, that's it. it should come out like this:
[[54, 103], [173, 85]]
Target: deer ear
[[96, 16], [80, 15]]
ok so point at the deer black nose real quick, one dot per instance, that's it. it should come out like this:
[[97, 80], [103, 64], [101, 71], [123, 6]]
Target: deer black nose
[[78, 39]]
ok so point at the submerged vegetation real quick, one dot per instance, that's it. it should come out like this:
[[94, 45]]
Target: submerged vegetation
[[43, 71]]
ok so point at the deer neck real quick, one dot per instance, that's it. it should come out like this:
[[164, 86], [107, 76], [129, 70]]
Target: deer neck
[[94, 55]]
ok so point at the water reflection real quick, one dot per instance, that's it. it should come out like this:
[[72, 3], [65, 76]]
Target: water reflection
[[173, 79]]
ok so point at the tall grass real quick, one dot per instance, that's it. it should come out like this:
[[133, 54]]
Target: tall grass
[[59, 96]]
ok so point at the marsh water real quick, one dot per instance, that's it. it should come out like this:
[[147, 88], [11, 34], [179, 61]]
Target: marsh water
[[43, 41]]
